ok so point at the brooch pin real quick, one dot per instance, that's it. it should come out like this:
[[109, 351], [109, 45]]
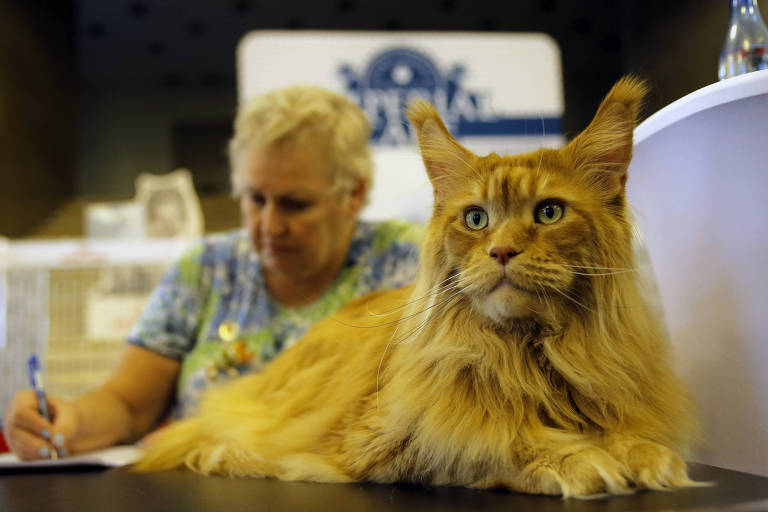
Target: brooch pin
[[234, 352]]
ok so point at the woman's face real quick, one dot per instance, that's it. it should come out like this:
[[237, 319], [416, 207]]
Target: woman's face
[[299, 222]]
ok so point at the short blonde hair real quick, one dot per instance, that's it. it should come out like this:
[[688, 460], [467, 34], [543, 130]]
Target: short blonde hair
[[298, 113]]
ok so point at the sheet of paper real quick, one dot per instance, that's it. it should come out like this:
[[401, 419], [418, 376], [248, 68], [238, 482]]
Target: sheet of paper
[[108, 458]]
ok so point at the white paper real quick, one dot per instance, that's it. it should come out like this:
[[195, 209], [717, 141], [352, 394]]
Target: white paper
[[108, 458]]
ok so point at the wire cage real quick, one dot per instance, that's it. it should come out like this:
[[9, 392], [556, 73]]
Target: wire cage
[[73, 303]]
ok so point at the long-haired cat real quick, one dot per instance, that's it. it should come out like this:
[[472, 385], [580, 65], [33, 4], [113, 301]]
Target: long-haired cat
[[522, 356]]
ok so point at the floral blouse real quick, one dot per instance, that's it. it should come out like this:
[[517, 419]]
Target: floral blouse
[[213, 312]]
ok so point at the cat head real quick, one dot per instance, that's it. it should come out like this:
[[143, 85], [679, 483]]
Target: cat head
[[534, 235]]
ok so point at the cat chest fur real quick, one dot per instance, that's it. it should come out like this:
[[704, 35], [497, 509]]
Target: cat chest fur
[[455, 412]]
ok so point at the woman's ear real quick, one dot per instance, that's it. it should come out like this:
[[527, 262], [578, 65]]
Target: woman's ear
[[357, 197]]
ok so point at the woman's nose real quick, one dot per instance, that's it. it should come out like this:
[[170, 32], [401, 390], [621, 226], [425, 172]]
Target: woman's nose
[[272, 222]]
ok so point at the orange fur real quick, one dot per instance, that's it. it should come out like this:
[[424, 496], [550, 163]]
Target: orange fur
[[546, 375]]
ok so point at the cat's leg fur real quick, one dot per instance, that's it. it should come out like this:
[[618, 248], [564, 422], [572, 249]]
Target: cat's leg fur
[[187, 444], [238, 433]]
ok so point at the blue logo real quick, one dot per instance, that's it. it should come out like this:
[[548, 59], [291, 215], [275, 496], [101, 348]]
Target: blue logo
[[396, 76]]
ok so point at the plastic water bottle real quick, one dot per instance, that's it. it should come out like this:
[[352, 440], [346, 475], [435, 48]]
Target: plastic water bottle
[[746, 44]]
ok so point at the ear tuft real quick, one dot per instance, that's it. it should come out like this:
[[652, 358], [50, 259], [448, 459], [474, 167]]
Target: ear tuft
[[419, 112], [629, 91]]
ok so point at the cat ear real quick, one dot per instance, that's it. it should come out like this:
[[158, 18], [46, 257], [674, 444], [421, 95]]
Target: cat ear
[[604, 149], [447, 161]]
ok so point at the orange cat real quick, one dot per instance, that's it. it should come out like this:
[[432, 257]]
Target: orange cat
[[521, 357]]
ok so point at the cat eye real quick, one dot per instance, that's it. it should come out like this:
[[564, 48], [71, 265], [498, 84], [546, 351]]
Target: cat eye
[[475, 218], [549, 212]]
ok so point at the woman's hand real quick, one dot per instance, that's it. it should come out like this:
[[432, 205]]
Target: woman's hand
[[30, 435], [131, 403]]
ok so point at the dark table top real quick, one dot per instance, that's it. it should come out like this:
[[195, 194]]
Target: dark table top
[[117, 490]]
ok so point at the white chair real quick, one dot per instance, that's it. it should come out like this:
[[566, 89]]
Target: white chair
[[699, 185]]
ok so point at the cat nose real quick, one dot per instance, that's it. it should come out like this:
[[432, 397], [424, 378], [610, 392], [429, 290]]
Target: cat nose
[[503, 254]]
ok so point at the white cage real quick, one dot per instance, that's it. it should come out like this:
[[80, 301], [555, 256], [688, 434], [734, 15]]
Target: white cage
[[73, 302]]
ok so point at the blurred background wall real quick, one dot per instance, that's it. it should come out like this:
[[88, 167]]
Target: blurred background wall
[[94, 92], [38, 119]]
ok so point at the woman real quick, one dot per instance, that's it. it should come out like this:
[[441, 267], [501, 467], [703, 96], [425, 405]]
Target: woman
[[301, 169]]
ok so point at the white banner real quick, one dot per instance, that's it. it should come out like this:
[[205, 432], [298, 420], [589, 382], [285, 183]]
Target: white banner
[[496, 92]]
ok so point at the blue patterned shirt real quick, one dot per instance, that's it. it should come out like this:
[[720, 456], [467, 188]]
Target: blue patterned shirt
[[213, 312]]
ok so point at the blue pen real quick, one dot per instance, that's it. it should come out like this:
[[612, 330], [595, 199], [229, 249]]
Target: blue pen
[[36, 381]]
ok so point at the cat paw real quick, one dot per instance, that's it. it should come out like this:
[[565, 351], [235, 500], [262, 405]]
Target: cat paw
[[588, 473], [654, 466]]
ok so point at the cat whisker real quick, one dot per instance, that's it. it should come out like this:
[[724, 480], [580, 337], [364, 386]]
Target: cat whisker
[[455, 280], [393, 322], [438, 307], [378, 370], [435, 290], [438, 304], [597, 301], [542, 297], [607, 305], [541, 159], [419, 328], [596, 267], [526, 306], [413, 333], [599, 273], [573, 300]]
